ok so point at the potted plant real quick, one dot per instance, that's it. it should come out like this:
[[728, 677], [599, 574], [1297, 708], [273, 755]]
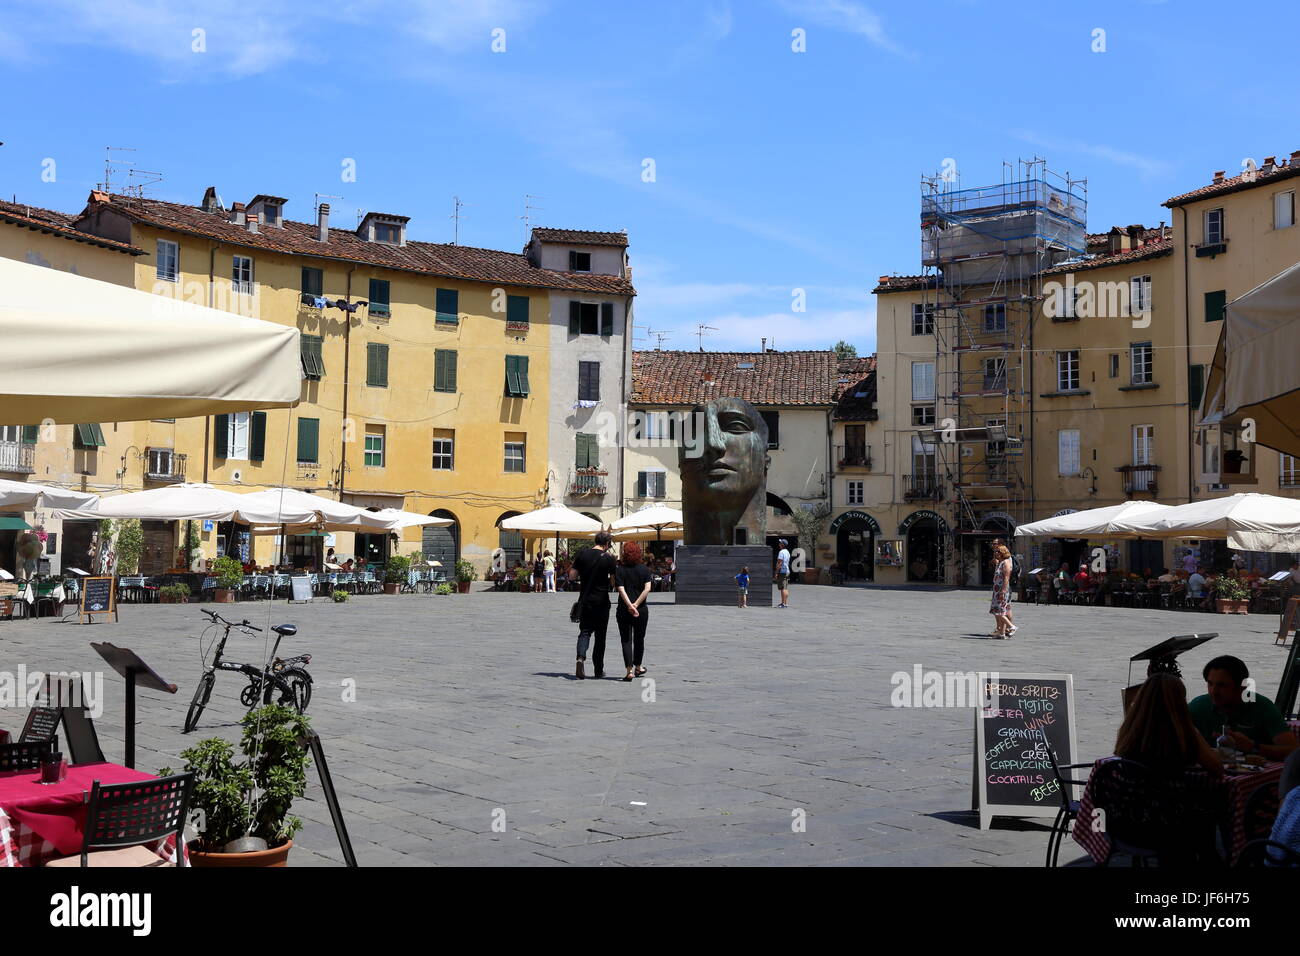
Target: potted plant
[[243, 804], [174, 594], [465, 573], [339, 596], [1231, 596], [443, 588], [230, 576], [395, 573], [523, 580], [809, 523]]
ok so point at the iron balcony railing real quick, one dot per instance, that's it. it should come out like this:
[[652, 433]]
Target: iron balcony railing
[[588, 482], [925, 485], [165, 465], [853, 456], [17, 457]]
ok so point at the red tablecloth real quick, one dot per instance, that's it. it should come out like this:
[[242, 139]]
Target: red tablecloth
[[4, 736], [39, 821], [1234, 789]]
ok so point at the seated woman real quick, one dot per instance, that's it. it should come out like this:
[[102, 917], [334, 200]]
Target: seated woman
[[1158, 731]]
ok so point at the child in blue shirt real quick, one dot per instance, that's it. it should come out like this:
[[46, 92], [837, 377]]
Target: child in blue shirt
[[742, 582]]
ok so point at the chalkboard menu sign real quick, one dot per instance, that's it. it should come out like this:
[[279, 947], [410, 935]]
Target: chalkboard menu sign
[[98, 596], [42, 724], [1013, 775], [301, 587]]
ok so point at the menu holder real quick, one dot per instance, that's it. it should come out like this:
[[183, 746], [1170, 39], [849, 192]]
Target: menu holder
[[1017, 717], [331, 797], [134, 671], [98, 596], [301, 589]]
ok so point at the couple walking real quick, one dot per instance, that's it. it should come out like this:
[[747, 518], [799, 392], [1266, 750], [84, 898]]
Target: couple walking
[[596, 569]]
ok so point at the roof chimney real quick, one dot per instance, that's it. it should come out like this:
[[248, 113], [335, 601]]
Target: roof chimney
[[1135, 234], [237, 213], [97, 195], [323, 222], [1117, 240], [1295, 157], [210, 202], [253, 219], [1269, 163], [1218, 176]]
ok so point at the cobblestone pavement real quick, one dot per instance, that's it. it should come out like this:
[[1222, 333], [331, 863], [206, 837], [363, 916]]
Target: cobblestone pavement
[[466, 713]]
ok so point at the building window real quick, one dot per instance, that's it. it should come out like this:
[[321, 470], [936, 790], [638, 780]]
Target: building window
[[655, 426], [376, 365], [579, 261], [444, 370], [162, 461], [447, 306], [923, 458], [515, 452], [1213, 226], [1140, 356], [591, 318], [1140, 295], [237, 437], [313, 361], [995, 374], [1067, 370], [588, 381], [1195, 385], [313, 281], [922, 319], [922, 414], [388, 232], [375, 435], [1215, 303], [378, 302], [1284, 210], [855, 492], [923, 381], [1114, 365], [516, 311], [241, 275], [88, 436], [309, 440], [1288, 471], [169, 256], [651, 484], [517, 376], [773, 419], [1067, 451], [995, 317], [444, 449], [587, 452], [1144, 440]]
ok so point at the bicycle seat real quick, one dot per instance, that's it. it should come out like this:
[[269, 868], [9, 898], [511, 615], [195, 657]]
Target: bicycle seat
[[285, 630]]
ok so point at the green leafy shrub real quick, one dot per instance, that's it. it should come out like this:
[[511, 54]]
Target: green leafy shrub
[[228, 572], [396, 570], [129, 545], [174, 592], [444, 588], [339, 596], [1230, 589], [465, 571]]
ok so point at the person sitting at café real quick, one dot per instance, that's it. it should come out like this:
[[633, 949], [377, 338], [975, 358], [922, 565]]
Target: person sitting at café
[[1252, 720], [1081, 578], [1196, 584], [1286, 828], [1159, 731], [1166, 576]]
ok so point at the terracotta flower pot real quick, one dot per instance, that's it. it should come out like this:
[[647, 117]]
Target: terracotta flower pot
[[276, 856], [391, 588], [811, 575], [1224, 606], [463, 587], [225, 596]]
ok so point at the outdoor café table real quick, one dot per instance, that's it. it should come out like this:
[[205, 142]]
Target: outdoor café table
[[1234, 790], [41, 821]]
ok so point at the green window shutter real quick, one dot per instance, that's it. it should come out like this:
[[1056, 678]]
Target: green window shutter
[[309, 439], [517, 309], [378, 297], [444, 370], [256, 436], [575, 317], [30, 434], [447, 305], [1195, 385], [376, 365], [88, 436], [383, 363], [607, 319], [220, 436], [1214, 305], [523, 374], [97, 435], [451, 370], [580, 451], [313, 363], [512, 375], [640, 484]]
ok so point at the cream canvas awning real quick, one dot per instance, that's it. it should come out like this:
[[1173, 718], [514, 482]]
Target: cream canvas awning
[[1249, 521], [80, 350], [1094, 523]]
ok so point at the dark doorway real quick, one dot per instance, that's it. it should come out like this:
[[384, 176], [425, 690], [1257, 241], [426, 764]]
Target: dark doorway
[[75, 546], [923, 553], [1146, 554], [511, 542], [371, 549], [442, 544], [855, 546]]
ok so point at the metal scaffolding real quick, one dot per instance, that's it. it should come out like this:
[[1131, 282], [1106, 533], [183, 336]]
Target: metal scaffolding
[[983, 252]]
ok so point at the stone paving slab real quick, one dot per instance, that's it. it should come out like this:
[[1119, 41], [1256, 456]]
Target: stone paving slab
[[466, 706]]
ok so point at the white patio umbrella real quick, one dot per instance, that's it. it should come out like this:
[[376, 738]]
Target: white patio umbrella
[[302, 510], [650, 534], [393, 519], [26, 496], [1250, 521], [554, 519], [650, 523], [85, 350], [182, 502], [1093, 523]]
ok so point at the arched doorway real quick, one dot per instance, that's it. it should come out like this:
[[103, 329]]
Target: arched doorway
[[977, 548], [780, 525], [442, 543], [855, 544], [924, 532], [511, 542]]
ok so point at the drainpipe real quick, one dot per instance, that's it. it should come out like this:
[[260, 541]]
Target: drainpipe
[[347, 353], [623, 397]]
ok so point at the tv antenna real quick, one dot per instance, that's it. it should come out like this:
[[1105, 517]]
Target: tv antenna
[[659, 338], [527, 217], [319, 196], [700, 331], [136, 179], [455, 217]]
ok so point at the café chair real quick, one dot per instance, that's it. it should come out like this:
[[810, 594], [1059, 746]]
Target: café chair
[[83, 742], [1065, 816], [25, 755], [123, 817], [1154, 816]]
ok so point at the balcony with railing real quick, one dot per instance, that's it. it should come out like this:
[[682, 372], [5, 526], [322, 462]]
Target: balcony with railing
[[163, 464], [17, 457], [853, 456], [924, 486], [1139, 478], [587, 483]]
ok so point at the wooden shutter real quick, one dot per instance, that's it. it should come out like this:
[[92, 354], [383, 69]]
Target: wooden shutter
[[30, 434], [376, 364], [313, 363], [660, 480], [1195, 385], [308, 439], [607, 318], [575, 317], [580, 454], [512, 375], [1214, 303], [447, 305], [517, 309], [257, 436], [444, 370], [220, 436], [523, 374]]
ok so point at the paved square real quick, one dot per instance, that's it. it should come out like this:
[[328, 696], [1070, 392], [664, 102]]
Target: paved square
[[466, 709]]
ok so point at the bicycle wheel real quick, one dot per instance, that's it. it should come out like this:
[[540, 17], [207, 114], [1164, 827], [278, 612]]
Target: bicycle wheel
[[202, 694], [248, 696], [297, 693]]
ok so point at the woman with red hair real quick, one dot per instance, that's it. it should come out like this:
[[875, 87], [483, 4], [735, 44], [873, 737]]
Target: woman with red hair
[[633, 580]]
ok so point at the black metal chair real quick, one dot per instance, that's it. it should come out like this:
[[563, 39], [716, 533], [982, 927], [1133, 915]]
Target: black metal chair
[[83, 742], [26, 755], [1069, 811], [1150, 815], [123, 817]]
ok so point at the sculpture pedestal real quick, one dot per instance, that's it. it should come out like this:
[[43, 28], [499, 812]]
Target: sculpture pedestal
[[706, 573]]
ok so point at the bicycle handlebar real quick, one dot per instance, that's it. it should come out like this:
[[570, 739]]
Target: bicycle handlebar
[[218, 619]]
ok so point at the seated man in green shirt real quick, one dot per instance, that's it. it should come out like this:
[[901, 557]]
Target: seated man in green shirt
[[1255, 726]]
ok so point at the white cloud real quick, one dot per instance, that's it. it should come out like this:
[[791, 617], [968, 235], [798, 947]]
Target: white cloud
[[845, 16], [1147, 167]]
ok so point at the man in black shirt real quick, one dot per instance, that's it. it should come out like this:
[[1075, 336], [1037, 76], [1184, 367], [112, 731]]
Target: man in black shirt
[[593, 567]]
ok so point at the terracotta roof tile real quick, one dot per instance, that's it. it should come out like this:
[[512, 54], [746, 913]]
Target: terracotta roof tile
[[903, 283], [580, 237], [299, 238], [776, 378], [1236, 184], [58, 224], [857, 390], [1151, 250]]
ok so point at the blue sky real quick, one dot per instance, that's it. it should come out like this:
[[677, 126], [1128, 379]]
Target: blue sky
[[773, 170]]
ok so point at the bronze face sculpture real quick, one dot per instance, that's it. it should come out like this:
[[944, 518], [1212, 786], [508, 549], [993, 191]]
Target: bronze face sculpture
[[723, 463]]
